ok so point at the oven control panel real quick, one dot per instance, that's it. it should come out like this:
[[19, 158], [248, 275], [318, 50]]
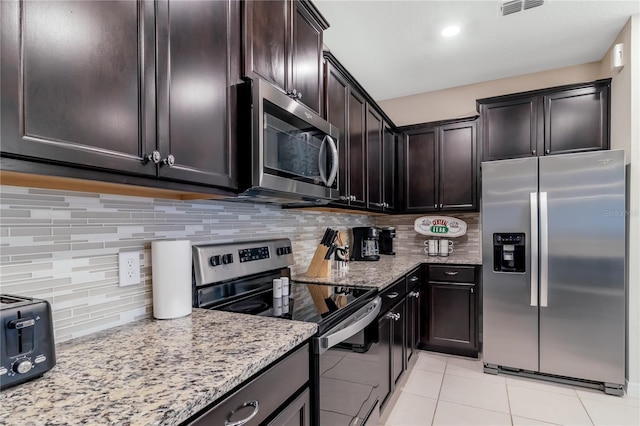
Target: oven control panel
[[255, 253], [214, 263]]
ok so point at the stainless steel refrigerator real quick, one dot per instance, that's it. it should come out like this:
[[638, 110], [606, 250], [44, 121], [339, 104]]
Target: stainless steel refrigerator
[[553, 255]]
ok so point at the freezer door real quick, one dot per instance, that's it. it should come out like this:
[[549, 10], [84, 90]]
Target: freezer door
[[510, 322], [582, 294]]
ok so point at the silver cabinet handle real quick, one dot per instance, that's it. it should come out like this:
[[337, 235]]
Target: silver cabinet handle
[[435, 206], [533, 152], [390, 315], [471, 290], [414, 294], [396, 316], [413, 279], [441, 206], [547, 151], [353, 198], [544, 250], [377, 204], [533, 203], [393, 295], [451, 273], [169, 161], [246, 420], [154, 157], [344, 198]]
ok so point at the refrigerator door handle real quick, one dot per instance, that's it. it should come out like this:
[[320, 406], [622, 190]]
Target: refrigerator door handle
[[534, 247], [544, 250]]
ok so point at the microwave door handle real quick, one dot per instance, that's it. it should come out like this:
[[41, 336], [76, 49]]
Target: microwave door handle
[[334, 164], [322, 160]]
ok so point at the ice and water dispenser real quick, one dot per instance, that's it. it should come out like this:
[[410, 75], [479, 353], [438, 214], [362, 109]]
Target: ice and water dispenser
[[508, 253]]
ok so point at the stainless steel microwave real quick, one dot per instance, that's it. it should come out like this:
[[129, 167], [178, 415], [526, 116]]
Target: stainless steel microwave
[[293, 151]]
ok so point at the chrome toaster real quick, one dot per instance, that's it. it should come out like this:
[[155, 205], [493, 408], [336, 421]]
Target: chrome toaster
[[28, 349]]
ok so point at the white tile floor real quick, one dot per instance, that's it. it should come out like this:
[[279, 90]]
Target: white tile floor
[[449, 390]]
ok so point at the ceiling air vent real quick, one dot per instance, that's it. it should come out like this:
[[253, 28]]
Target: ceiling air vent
[[514, 6]]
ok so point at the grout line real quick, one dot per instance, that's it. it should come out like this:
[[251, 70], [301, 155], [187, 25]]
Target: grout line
[[435, 410], [585, 409]]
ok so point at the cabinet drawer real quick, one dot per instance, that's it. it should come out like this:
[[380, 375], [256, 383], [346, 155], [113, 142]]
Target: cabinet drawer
[[392, 295], [287, 376], [413, 279], [459, 274]]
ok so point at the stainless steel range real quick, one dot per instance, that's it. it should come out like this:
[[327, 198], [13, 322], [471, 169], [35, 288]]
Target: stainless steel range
[[345, 378]]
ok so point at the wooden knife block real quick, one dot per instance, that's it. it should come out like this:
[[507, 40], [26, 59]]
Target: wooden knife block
[[319, 267]]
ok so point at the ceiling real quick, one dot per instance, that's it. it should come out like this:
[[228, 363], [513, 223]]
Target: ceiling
[[394, 48]]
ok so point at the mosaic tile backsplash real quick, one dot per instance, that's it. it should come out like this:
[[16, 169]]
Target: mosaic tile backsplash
[[408, 241], [63, 246]]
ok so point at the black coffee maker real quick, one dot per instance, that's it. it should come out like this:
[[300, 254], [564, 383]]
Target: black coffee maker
[[365, 243], [387, 234]]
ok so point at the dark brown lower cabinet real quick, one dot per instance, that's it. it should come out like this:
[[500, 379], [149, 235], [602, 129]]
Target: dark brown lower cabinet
[[256, 401], [412, 306], [449, 310], [297, 413], [384, 339]]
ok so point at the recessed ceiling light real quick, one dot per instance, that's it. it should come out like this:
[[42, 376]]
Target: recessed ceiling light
[[450, 31]]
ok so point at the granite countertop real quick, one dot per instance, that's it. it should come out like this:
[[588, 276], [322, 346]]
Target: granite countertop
[[384, 272], [151, 372]]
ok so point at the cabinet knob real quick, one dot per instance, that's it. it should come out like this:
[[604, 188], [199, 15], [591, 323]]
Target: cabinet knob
[[344, 198], [154, 157], [472, 291], [352, 197], [547, 151], [169, 161], [533, 152], [441, 206]]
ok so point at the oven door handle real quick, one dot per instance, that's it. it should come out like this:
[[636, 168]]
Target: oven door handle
[[360, 320]]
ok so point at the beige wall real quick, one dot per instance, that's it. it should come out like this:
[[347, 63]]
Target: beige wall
[[460, 101]]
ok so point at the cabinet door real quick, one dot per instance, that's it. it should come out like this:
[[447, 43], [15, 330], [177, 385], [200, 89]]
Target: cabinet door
[[412, 322], [510, 129], [421, 170], [388, 168], [78, 83], [458, 167], [307, 58], [577, 120], [267, 35], [374, 160], [357, 158], [451, 317], [384, 338], [194, 91], [397, 349], [337, 93], [297, 413]]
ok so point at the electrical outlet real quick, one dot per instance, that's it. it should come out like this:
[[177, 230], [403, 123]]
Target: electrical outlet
[[129, 268]]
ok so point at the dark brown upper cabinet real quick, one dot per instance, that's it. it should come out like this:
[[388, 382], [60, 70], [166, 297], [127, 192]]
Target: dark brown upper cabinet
[[78, 83], [345, 109], [283, 45], [367, 146], [440, 167], [130, 87], [389, 159], [558, 120], [374, 161], [197, 69]]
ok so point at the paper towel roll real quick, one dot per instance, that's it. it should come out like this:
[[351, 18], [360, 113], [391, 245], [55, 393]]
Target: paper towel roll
[[171, 277]]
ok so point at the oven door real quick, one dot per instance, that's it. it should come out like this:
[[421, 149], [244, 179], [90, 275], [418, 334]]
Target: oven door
[[349, 374]]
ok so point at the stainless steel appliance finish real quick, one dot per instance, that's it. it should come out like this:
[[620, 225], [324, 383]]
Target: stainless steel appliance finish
[[564, 316], [28, 347], [293, 151], [238, 277]]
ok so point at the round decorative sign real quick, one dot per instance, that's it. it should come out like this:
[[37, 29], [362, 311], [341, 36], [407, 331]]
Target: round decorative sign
[[440, 226]]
